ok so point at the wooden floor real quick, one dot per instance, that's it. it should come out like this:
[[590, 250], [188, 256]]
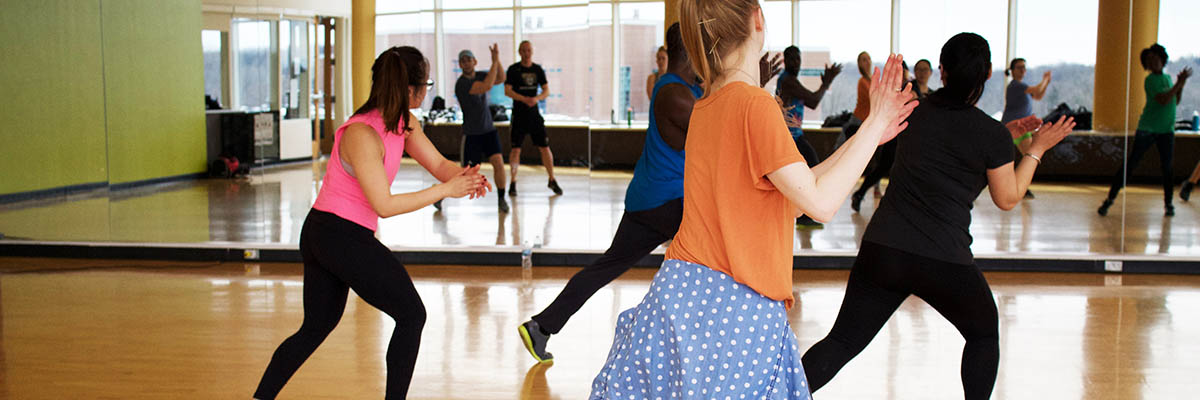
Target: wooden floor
[[269, 207], [111, 329]]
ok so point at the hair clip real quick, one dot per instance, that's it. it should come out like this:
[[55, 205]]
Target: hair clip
[[714, 46], [702, 22]]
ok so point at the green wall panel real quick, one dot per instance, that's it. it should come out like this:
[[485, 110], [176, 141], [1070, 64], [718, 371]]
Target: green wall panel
[[52, 109], [154, 88]]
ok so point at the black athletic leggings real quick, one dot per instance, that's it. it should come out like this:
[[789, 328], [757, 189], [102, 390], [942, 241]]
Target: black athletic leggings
[[882, 277], [1166, 155], [884, 159], [339, 254], [806, 151], [639, 233]]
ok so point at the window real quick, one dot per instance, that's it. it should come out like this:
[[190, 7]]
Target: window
[[555, 34], [294, 65], [400, 6], [642, 32], [416, 30], [214, 69], [779, 24], [465, 4], [1178, 35], [842, 29], [600, 69], [1039, 30], [926, 25], [255, 47]]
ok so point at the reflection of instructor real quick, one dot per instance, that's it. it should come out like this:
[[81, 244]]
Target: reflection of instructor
[[521, 84], [480, 139]]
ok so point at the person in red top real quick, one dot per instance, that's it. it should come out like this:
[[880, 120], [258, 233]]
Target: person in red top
[[714, 323]]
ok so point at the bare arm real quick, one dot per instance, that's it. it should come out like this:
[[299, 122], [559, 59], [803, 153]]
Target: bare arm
[[819, 192], [650, 81], [362, 148], [1007, 184], [1177, 90], [1039, 91], [544, 94], [672, 112]]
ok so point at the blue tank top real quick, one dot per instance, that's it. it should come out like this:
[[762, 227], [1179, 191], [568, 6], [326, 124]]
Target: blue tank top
[[658, 176], [797, 107]]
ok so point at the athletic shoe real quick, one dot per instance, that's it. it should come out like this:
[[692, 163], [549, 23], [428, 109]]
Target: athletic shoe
[[512, 188], [535, 341], [1185, 191], [1028, 194], [502, 204], [553, 185], [1170, 211], [1103, 210], [804, 222], [437, 205], [856, 201]]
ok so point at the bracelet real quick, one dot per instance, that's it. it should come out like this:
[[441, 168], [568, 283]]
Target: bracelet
[[1035, 158], [1026, 136]]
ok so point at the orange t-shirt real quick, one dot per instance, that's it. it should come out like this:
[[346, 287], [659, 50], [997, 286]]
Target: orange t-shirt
[[734, 220], [862, 109]]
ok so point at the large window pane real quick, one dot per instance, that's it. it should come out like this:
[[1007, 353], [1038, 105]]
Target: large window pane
[[842, 29], [1072, 62], [926, 25], [779, 24], [528, 3], [416, 30], [642, 33], [461, 4], [213, 68], [1177, 32], [255, 46], [556, 34], [475, 31], [392, 6], [600, 97]]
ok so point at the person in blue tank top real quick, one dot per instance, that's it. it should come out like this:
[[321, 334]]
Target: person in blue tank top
[[795, 97], [653, 201]]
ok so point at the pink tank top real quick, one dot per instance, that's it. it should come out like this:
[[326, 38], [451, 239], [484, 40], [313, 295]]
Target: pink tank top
[[340, 193]]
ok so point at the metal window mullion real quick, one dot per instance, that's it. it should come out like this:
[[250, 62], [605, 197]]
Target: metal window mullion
[[616, 61], [1011, 50], [439, 48]]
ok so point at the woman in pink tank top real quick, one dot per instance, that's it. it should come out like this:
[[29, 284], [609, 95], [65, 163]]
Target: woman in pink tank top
[[337, 242]]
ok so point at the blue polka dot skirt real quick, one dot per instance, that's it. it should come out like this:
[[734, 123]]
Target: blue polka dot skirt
[[698, 334]]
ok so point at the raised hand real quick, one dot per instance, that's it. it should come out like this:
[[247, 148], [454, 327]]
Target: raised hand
[[1018, 127], [1047, 75], [1050, 134], [890, 104], [831, 71], [767, 69], [1185, 74], [495, 50]]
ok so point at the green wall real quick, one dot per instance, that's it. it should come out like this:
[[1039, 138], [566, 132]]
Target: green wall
[[52, 106], [99, 91]]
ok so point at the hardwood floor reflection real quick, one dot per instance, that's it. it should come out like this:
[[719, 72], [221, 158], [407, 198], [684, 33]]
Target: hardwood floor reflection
[[152, 330]]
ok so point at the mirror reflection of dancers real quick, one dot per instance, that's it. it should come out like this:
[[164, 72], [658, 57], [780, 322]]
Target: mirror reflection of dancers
[[481, 140], [653, 201], [886, 154], [660, 61], [918, 240], [521, 83], [1156, 127], [1018, 101], [795, 98], [714, 321], [338, 241]]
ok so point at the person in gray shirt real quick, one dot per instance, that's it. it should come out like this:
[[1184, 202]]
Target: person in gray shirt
[[480, 139]]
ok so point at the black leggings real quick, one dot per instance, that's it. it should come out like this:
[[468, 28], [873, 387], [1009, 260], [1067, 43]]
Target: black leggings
[[1166, 155], [884, 159], [882, 277], [639, 233], [806, 151], [339, 254]]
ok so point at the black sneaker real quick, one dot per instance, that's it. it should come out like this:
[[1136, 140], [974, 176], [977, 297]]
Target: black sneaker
[[856, 201], [804, 222], [1103, 210], [512, 189], [553, 185], [1170, 211], [535, 341], [437, 205], [502, 204], [1028, 194], [1185, 191]]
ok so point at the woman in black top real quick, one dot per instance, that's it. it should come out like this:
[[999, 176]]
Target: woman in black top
[[918, 242]]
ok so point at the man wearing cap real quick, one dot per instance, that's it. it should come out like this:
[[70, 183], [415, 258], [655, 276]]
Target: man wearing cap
[[480, 139]]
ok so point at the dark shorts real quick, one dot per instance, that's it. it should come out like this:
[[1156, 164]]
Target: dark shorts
[[529, 123], [478, 148]]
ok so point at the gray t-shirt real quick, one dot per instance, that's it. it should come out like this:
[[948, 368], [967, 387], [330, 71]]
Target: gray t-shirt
[[1017, 103], [477, 118]]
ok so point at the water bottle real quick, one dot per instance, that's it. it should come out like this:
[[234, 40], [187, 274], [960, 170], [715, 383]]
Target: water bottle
[[1196, 120], [526, 261]]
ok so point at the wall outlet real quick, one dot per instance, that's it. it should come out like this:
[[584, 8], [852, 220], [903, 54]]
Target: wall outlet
[[250, 254], [1113, 265]]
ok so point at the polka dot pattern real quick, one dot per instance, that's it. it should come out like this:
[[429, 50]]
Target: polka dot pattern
[[698, 334]]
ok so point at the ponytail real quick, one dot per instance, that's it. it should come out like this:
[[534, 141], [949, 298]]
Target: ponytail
[[393, 75]]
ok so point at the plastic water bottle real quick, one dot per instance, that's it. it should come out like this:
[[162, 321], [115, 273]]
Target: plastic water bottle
[[1196, 120], [526, 261]]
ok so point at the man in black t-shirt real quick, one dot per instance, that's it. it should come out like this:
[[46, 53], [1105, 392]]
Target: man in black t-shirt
[[480, 139], [521, 83]]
